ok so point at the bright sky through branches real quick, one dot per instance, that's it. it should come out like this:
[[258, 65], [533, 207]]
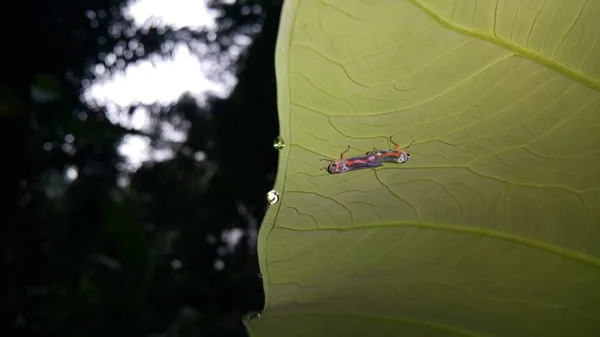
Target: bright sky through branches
[[162, 82], [175, 13]]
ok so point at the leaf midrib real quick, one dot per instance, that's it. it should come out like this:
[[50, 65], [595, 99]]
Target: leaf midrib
[[556, 66], [516, 239]]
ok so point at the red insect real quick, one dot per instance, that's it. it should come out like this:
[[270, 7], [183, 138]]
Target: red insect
[[344, 165], [395, 155]]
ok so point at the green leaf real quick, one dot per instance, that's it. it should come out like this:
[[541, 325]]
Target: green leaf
[[492, 228]]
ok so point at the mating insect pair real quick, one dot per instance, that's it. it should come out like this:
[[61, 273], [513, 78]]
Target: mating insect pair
[[370, 159]]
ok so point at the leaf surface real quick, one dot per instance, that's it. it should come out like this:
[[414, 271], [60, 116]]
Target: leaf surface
[[492, 228]]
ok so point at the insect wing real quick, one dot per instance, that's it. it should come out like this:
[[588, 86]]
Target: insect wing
[[390, 156], [395, 156], [362, 162], [374, 153]]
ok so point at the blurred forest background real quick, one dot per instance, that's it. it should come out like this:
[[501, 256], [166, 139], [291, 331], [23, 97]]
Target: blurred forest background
[[93, 248]]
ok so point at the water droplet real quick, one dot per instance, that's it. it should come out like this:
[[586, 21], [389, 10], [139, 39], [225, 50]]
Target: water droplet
[[260, 275], [278, 143], [272, 197], [252, 315]]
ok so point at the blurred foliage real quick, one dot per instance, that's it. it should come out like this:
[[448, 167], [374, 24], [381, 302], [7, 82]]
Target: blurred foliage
[[118, 253]]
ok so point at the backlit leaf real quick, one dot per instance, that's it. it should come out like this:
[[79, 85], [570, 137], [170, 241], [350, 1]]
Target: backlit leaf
[[493, 227]]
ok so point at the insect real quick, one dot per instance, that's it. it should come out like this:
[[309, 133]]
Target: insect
[[395, 155], [344, 165]]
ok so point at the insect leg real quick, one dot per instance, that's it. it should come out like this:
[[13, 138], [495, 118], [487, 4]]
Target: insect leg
[[396, 144], [397, 147], [342, 154]]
